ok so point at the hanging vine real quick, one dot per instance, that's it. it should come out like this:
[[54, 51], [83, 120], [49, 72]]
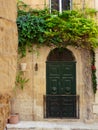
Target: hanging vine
[[72, 27], [94, 81]]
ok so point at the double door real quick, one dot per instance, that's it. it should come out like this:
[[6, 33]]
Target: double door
[[60, 89]]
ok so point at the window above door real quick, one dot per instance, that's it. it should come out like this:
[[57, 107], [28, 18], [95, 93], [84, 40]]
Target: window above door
[[60, 5]]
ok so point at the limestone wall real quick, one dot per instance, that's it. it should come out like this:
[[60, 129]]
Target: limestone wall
[[40, 4], [8, 44], [96, 4], [23, 103], [8, 55], [8, 10]]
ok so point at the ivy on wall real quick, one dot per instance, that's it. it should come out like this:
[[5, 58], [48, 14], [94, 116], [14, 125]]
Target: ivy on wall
[[93, 67], [72, 27]]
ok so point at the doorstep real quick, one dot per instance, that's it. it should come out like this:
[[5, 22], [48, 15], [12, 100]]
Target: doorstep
[[44, 125]]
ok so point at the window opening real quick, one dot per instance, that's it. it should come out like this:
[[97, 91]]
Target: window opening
[[60, 5]]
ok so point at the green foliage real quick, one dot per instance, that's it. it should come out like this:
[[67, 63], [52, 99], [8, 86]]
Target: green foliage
[[90, 12], [72, 27], [94, 79], [31, 30], [20, 81], [22, 8]]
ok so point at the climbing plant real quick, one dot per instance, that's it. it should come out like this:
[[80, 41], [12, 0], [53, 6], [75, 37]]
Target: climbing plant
[[73, 27], [93, 68]]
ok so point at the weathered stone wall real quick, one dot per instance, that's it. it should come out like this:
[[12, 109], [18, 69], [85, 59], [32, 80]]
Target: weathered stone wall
[[23, 103], [37, 4], [8, 55], [40, 4], [88, 94], [81, 4], [96, 4], [8, 44]]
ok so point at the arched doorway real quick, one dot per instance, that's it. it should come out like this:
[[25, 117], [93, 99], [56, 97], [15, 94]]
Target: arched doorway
[[61, 99]]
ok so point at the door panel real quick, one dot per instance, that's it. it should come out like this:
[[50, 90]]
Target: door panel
[[53, 83], [67, 83], [68, 69], [53, 106], [61, 106], [69, 106], [53, 70]]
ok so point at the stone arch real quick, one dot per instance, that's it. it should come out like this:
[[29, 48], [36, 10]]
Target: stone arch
[[60, 54]]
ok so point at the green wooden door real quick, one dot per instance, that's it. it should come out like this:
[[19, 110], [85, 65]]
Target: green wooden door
[[60, 84]]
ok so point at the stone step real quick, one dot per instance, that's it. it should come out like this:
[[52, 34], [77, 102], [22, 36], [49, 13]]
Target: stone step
[[44, 125]]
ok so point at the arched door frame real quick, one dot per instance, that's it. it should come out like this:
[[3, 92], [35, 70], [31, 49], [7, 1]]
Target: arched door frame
[[61, 84]]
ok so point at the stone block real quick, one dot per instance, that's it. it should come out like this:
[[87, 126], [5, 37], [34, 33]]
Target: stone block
[[38, 4], [7, 72], [8, 9], [8, 37], [8, 54], [95, 108]]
